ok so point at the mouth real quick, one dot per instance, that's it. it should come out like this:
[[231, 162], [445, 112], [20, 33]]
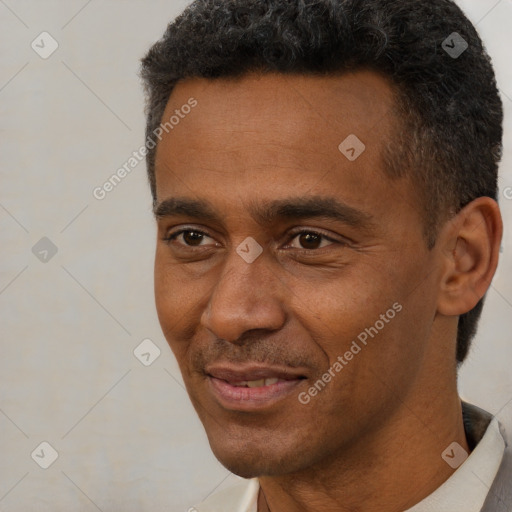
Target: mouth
[[252, 388], [258, 383]]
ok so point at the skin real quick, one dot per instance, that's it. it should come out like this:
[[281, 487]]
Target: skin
[[372, 438]]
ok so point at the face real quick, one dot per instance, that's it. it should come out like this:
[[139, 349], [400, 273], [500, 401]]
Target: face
[[292, 280]]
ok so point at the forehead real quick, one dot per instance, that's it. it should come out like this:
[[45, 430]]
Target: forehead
[[277, 135], [295, 106]]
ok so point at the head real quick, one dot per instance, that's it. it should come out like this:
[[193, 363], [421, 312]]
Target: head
[[273, 89]]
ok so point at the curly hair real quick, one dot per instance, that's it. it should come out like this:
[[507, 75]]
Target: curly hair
[[449, 139]]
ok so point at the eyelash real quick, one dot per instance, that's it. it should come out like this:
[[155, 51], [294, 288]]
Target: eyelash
[[172, 236]]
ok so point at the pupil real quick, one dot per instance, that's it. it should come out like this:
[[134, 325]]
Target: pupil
[[308, 239], [196, 237]]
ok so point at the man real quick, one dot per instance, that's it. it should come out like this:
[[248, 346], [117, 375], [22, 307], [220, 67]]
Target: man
[[324, 184]]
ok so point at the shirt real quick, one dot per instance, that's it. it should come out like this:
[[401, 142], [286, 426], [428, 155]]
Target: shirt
[[465, 490]]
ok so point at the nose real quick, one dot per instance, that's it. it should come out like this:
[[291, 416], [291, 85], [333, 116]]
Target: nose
[[247, 296]]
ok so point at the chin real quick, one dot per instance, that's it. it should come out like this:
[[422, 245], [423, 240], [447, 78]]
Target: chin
[[254, 461], [245, 467]]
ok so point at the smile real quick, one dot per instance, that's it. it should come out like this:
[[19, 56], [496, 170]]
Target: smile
[[252, 388]]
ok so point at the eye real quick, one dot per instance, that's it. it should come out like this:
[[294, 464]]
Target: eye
[[190, 237], [308, 240], [311, 240]]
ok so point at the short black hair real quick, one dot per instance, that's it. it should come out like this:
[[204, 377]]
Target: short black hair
[[450, 137]]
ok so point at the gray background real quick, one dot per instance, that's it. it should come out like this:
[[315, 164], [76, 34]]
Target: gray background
[[126, 436]]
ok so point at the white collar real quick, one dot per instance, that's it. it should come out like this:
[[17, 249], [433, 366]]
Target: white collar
[[467, 488]]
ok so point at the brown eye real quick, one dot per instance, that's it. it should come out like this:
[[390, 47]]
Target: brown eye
[[190, 237], [310, 240]]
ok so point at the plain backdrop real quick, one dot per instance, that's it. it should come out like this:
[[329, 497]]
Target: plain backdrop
[[125, 433]]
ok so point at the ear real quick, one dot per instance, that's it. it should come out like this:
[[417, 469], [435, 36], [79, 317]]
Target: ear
[[469, 244]]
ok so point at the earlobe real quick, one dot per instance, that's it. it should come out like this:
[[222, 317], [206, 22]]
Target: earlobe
[[470, 250]]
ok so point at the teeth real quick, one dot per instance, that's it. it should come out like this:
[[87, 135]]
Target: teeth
[[257, 383], [241, 384]]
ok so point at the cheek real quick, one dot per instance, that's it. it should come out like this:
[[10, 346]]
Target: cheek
[[174, 289], [163, 291], [180, 299], [338, 311], [171, 302], [366, 320]]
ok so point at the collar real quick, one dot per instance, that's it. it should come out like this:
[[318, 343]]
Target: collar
[[466, 490]]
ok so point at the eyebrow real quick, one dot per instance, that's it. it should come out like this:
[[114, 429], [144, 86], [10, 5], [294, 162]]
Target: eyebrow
[[267, 213]]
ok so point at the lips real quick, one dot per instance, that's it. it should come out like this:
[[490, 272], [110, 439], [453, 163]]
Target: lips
[[255, 376], [252, 388]]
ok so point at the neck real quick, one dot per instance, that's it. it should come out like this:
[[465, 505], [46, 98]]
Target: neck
[[389, 470]]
